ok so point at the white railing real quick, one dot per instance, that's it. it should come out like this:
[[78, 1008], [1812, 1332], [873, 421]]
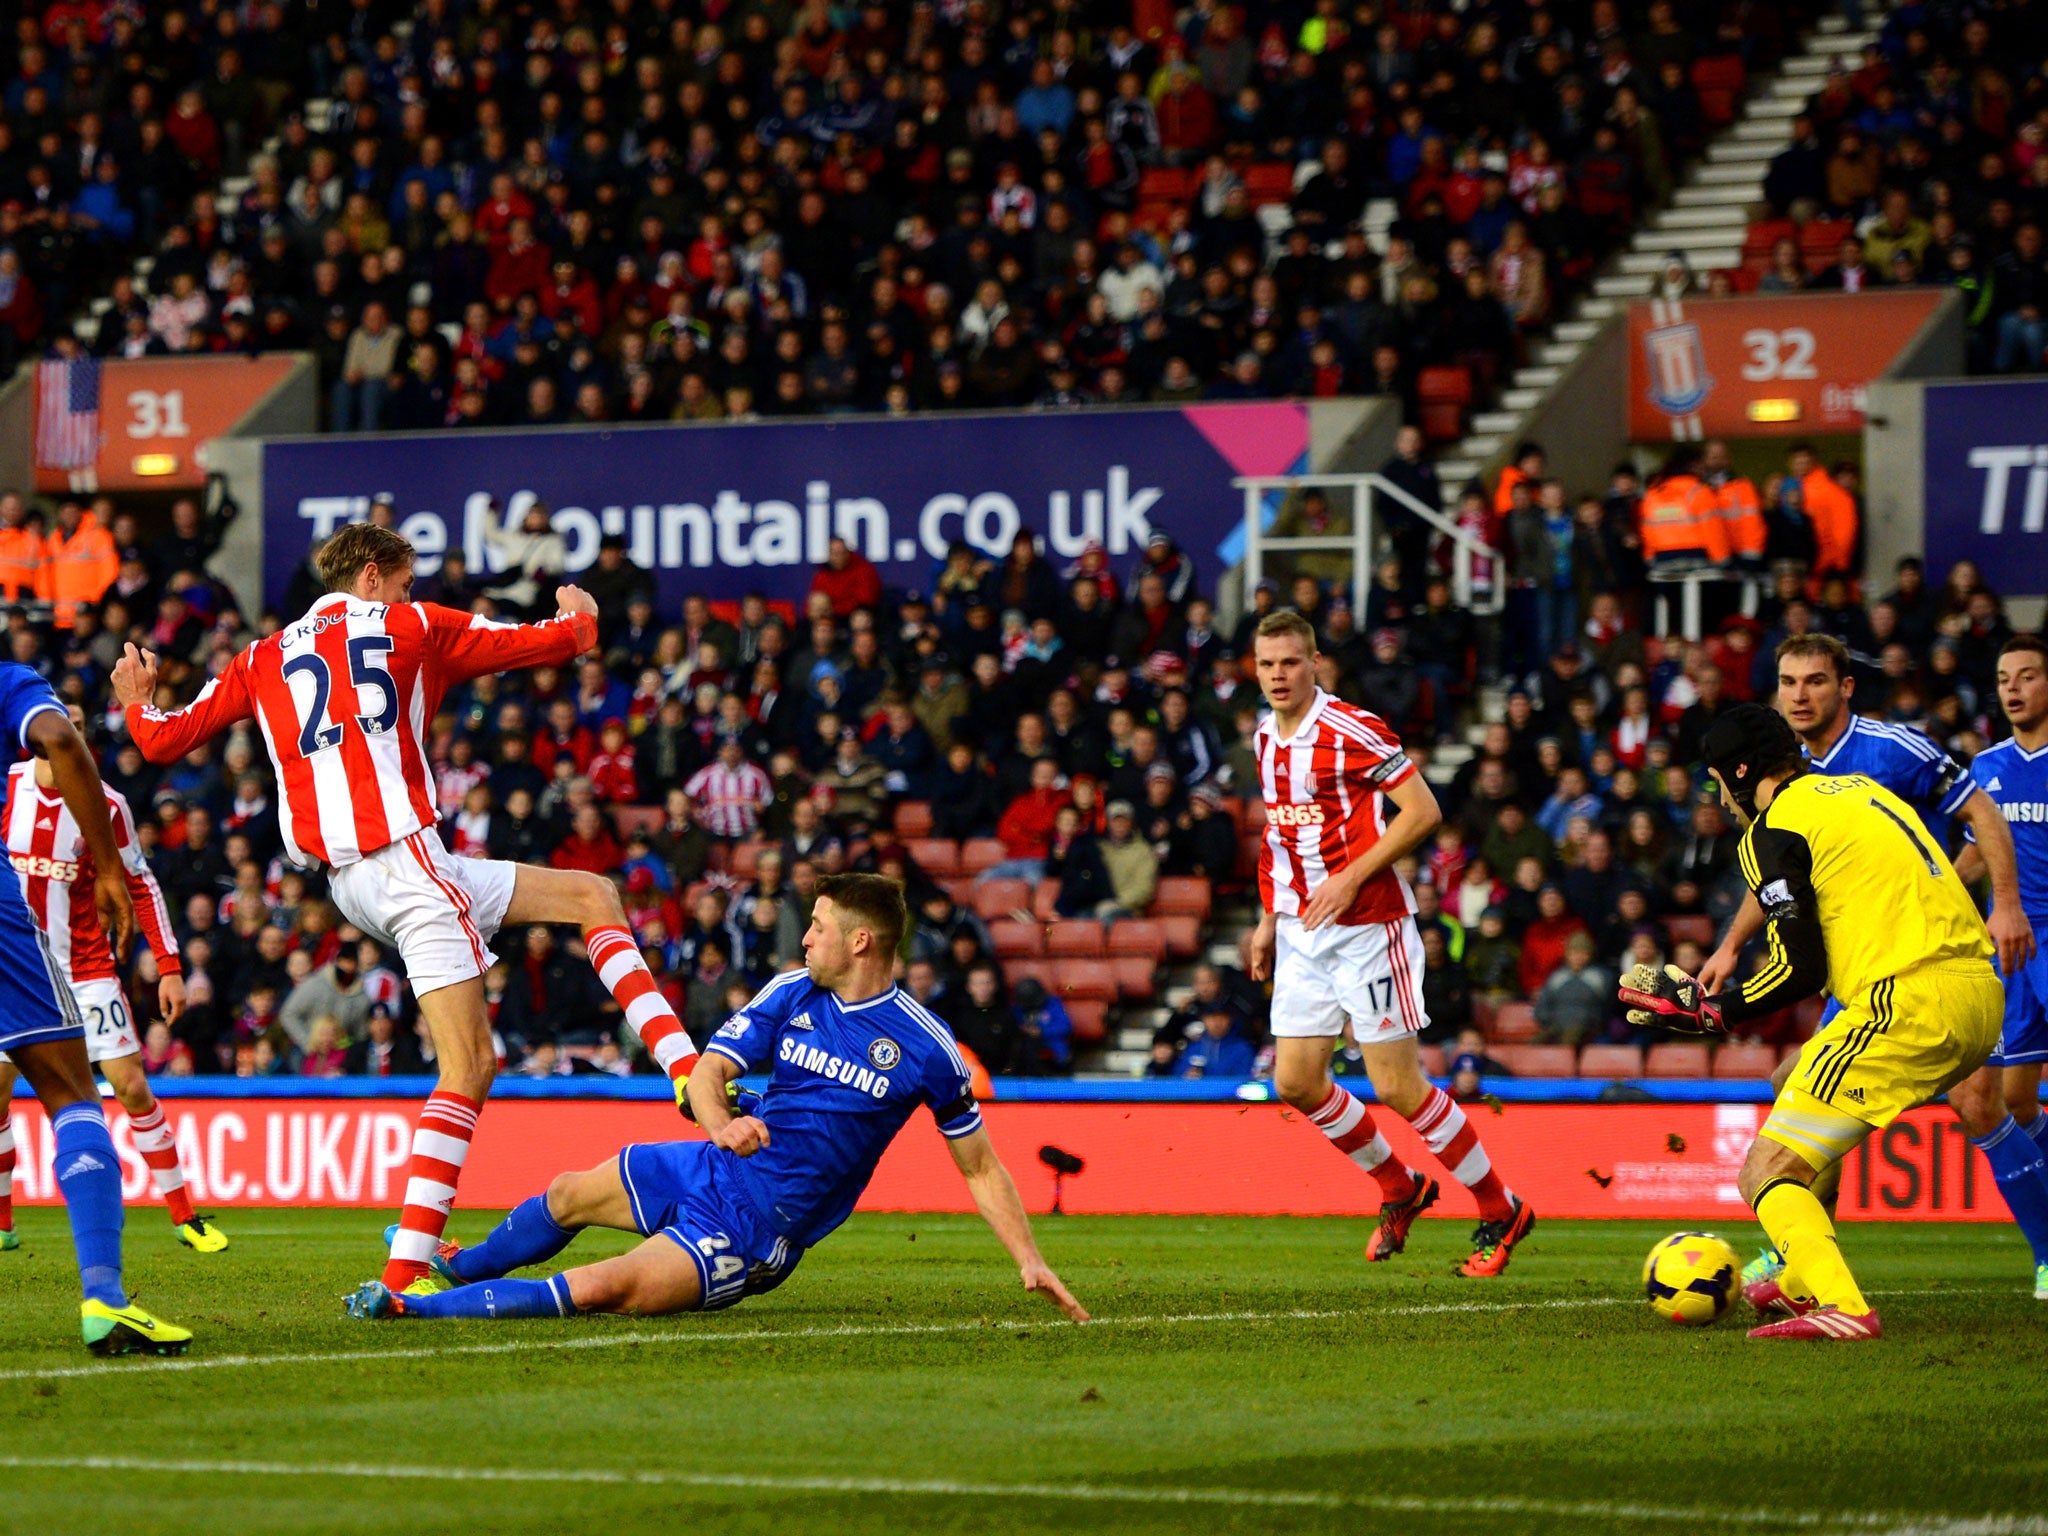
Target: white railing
[[1466, 550]]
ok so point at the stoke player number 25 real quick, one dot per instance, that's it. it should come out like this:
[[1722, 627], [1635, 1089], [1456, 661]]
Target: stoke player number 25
[[366, 670]]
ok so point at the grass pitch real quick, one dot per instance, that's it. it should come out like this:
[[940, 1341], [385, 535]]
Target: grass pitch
[[1249, 1375]]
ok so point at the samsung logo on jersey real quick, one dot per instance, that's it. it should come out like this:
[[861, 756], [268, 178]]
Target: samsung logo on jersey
[[851, 1073], [2025, 810], [1310, 815]]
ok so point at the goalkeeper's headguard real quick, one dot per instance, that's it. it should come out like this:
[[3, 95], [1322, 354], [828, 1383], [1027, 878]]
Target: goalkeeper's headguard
[[1747, 744]]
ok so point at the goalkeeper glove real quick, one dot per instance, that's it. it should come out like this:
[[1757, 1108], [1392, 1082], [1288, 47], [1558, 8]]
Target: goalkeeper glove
[[1668, 998], [741, 1101]]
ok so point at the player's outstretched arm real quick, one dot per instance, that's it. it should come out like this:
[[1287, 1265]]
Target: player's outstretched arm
[[995, 1196], [164, 738], [2010, 930], [466, 645], [51, 736]]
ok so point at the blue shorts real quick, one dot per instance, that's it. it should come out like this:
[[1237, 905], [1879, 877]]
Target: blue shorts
[[35, 1005], [687, 1191], [2024, 1035]]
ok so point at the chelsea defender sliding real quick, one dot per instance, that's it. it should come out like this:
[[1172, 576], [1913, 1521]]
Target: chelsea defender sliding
[[851, 1059], [1857, 900]]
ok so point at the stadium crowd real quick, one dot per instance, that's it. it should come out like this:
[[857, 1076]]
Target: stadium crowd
[[502, 214], [1027, 746]]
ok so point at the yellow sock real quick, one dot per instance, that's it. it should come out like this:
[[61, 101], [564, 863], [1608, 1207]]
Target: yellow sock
[[1799, 1225]]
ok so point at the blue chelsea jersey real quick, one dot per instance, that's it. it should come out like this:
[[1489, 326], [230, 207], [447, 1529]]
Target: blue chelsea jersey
[[844, 1077], [1906, 762], [23, 696], [2017, 782]]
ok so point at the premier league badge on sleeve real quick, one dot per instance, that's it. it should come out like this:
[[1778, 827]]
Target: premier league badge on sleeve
[[884, 1054]]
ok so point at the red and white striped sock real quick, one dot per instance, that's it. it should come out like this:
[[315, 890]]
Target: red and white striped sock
[[615, 956], [1351, 1130], [440, 1145], [159, 1148], [6, 1172], [1455, 1144]]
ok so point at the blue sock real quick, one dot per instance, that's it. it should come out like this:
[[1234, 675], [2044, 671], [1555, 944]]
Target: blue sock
[[2038, 1129], [2022, 1179], [89, 1173], [497, 1300], [530, 1235]]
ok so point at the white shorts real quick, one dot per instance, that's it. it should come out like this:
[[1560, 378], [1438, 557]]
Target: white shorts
[[438, 911], [109, 1028], [1370, 973]]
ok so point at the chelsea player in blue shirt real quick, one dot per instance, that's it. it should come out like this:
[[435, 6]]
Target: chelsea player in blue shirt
[[43, 1035], [851, 1059], [1815, 688]]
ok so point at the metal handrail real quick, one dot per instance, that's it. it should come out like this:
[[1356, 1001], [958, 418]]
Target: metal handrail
[[1466, 549]]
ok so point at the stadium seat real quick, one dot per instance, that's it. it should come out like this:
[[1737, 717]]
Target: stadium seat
[[629, 819], [1677, 1058], [1090, 1017], [719, 857], [1137, 936], [1763, 235], [1045, 901], [1169, 184], [1269, 182], [1484, 1011], [1807, 1014], [913, 819], [1514, 1022], [1045, 972], [1016, 941], [1083, 978], [1137, 977], [999, 898], [1717, 82], [961, 888], [1182, 895], [1737, 1059], [1537, 1060], [1433, 1061], [746, 859], [936, 856], [1699, 929], [980, 853], [1820, 240], [1611, 1061], [1248, 845], [1183, 936], [1077, 937], [1444, 395]]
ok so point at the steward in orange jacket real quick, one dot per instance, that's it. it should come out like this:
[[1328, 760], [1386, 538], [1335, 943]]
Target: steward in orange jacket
[[21, 551], [79, 562], [1681, 514]]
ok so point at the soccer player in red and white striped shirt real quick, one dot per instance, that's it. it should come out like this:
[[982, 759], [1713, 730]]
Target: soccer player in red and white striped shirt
[[1339, 940], [55, 867], [730, 792], [343, 697]]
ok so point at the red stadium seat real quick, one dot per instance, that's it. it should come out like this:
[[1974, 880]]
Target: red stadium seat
[[1820, 240], [999, 898], [1807, 1014], [1699, 929], [980, 853], [746, 858], [1762, 236], [1678, 1058], [1183, 936], [1168, 184], [1045, 901], [1045, 972], [1484, 1011], [1137, 936], [1248, 844], [1016, 941], [1445, 394], [1094, 979], [629, 819], [1717, 82], [1514, 1022], [1137, 977], [1537, 1060], [961, 888], [913, 818], [1433, 1064], [1748, 1062], [1182, 895], [1090, 1017], [1611, 1061], [719, 857], [1079, 937], [936, 856], [1269, 182]]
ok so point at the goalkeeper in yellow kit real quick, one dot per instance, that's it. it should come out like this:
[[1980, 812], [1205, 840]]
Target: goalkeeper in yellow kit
[[1860, 903]]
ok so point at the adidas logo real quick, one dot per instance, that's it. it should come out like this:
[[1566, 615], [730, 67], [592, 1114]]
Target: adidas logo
[[802, 1021], [1853, 1095], [1992, 788], [85, 1162]]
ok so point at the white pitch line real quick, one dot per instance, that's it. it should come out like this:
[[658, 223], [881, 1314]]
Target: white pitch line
[[776, 1335], [1890, 1524], [626, 1340]]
